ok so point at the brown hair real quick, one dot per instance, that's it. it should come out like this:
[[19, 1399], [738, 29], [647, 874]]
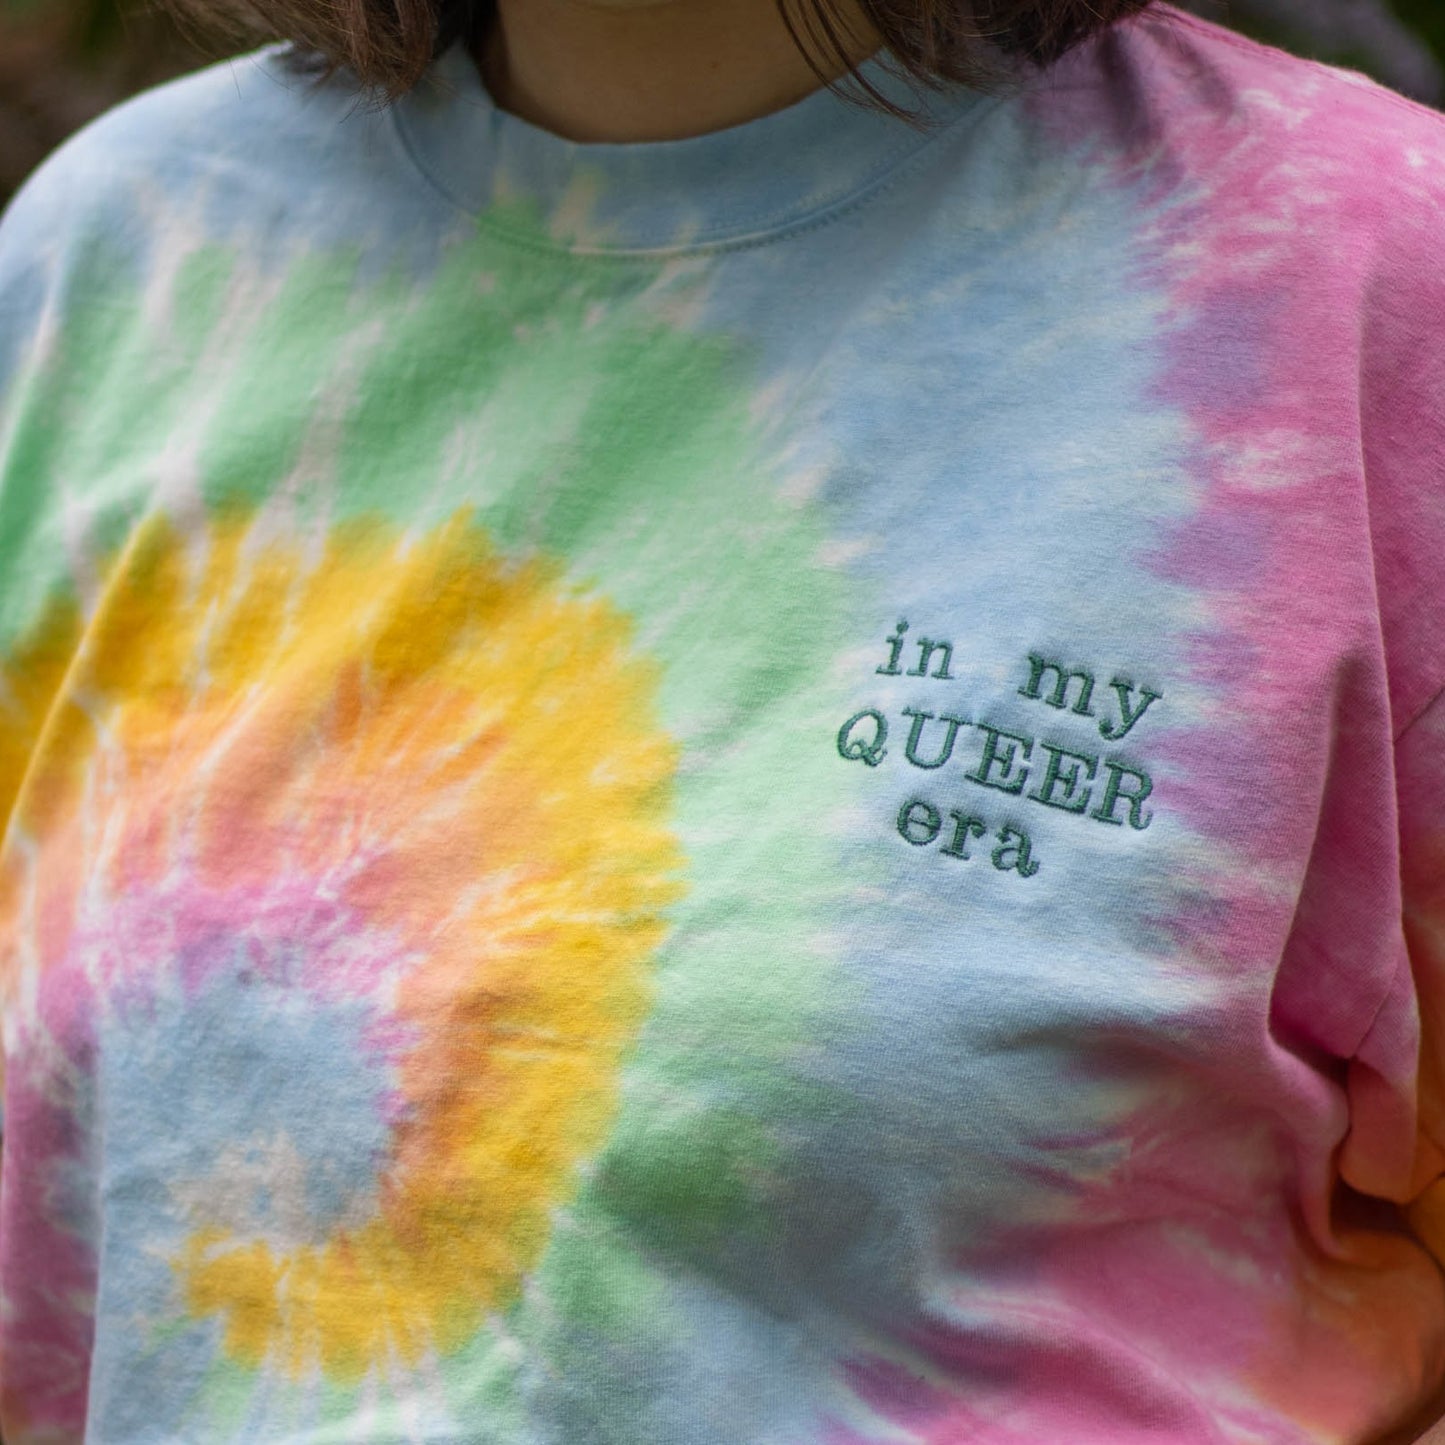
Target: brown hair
[[388, 44]]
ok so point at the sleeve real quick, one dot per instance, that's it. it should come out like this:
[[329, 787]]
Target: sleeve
[[42, 238], [1408, 1039], [32, 256], [1396, 1145], [1396, 1148], [71, 240]]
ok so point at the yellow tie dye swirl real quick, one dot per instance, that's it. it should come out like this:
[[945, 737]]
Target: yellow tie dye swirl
[[435, 776]]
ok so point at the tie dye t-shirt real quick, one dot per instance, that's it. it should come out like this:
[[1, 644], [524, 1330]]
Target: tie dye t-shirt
[[779, 789]]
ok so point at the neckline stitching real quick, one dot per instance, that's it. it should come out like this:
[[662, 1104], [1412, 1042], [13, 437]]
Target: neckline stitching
[[898, 162]]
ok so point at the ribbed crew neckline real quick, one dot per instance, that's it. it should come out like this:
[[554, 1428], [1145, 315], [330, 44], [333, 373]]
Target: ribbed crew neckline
[[742, 184]]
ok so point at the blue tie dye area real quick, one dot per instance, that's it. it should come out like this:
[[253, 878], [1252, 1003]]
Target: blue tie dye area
[[781, 787]]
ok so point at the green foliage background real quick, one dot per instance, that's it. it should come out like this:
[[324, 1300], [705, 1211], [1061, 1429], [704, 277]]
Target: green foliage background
[[64, 61], [1428, 19]]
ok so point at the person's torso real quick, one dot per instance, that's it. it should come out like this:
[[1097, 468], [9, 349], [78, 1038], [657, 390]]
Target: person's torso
[[712, 843]]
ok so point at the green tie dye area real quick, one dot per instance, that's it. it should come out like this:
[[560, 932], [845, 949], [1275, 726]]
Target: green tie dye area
[[575, 419]]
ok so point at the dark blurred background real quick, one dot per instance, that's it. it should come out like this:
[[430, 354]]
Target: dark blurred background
[[64, 61]]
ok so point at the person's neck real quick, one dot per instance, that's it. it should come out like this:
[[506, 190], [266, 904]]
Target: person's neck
[[649, 70]]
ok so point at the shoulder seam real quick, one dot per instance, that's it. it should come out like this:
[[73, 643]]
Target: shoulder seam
[[1255, 47]]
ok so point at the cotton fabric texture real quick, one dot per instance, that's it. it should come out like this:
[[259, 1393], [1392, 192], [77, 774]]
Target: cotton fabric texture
[[784, 787]]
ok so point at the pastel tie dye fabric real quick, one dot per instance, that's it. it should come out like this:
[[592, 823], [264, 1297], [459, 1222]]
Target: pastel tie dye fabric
[[778, 789]]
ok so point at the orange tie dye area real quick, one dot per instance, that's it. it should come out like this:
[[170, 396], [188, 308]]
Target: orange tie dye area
[[433, 774]]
